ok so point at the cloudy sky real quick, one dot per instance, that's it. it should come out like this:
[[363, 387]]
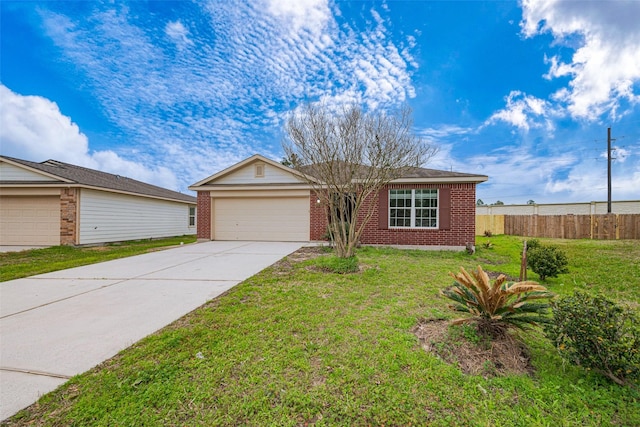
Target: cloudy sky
[[170, 92]]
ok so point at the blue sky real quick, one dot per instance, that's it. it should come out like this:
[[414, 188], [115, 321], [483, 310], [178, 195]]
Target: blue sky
[[170, 92]]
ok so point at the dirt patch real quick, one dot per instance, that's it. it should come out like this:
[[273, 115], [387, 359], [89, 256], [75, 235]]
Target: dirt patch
[[308, 252], [489, 358], [493, 275]]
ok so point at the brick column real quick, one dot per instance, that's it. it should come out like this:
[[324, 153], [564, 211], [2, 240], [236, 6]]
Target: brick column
[[318, 218], [204, 215], [68, 216]]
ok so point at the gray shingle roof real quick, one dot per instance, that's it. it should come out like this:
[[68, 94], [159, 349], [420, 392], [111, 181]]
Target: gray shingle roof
[[407, 173], [94, 178], [436, 173]]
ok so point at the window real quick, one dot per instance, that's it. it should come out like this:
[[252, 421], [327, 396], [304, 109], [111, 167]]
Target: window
[[192, 216], [413, 208]]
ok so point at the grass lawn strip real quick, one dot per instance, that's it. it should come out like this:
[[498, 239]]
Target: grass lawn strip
[[16, 265], [294, 346]]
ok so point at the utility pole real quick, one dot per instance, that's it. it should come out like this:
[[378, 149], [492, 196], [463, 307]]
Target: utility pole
[[609, 170]]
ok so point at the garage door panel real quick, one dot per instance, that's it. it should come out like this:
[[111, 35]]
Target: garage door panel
[[31, 220], [262, 219]]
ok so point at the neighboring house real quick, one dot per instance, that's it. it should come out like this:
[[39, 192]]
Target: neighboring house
[[259, 199], [56, 203]]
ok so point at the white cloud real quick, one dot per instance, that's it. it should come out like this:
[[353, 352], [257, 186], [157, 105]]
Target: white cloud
[[547, 174], [525, 112], [584, 183], [178, 33], [444, 131], [606, 64], [299, 15], [220, 99], [33, 128]]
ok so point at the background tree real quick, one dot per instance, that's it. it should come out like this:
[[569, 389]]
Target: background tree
[[499, 203], [531, 202], [479, 202], [348, 156]]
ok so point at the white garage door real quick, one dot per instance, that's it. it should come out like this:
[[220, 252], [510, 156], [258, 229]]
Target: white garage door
[[30, 220], [262, 219]]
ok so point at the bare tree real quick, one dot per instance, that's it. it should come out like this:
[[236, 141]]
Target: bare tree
[[347, 157]]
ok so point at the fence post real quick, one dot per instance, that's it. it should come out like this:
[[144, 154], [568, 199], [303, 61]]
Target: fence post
[[523, 262]]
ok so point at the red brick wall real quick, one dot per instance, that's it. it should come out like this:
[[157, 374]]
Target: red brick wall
[[68, 216], [460, 232], [319, 223], [203, 213]]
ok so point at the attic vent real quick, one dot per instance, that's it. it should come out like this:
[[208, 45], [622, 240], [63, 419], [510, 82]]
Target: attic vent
[[259, 170], [52, 162]]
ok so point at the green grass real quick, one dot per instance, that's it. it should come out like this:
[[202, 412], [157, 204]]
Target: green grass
[[606, 266], [15, 265], [293, 345]]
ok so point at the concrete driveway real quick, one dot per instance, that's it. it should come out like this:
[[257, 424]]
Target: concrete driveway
[[56, 325]]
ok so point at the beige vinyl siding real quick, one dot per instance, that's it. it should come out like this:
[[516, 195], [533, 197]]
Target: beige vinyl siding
[[617, 207], [247, 175], [13, 173], [112, 217], [261, 219], [30, 220]]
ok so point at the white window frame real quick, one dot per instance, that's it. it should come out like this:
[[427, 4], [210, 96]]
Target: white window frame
[[189, 216], [413, 208]]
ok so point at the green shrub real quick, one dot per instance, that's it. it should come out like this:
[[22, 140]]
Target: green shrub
[[533, 243], [498, 306], [547, 261], [334, 264], [597, 334]]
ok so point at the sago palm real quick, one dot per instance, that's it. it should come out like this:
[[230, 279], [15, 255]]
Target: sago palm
[[497, 306]]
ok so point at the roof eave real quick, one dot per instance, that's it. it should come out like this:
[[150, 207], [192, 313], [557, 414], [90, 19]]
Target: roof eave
[[301, 186], [91, 187], [439, 180]]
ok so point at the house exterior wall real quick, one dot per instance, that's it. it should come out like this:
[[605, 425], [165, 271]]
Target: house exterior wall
[[112, 217], [459, 231], [13, 173], [318, 217], [69, 216], [203, 213], [247, 175]]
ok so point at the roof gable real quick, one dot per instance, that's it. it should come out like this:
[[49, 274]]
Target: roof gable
[[71, 174], [10, 171], [255, 170], [243, 173]]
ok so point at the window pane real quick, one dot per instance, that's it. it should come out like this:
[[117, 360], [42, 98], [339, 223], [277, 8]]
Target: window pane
[[419, 204]]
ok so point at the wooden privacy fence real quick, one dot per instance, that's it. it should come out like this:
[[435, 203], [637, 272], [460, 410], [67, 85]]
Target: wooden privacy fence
[[492, 223], [601, 227]]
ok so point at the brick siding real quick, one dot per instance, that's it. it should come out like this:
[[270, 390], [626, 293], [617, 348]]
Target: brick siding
[[319, 220], [203, 213], [460, 232], [68, 216]]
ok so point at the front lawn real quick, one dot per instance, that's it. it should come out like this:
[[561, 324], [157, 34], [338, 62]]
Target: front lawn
[[295, 345]]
